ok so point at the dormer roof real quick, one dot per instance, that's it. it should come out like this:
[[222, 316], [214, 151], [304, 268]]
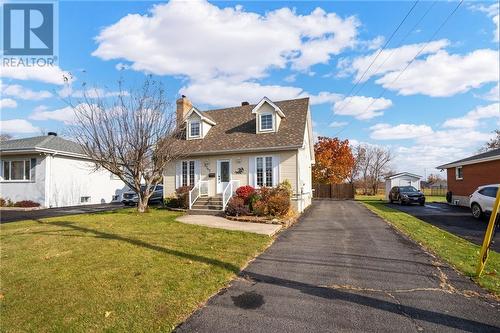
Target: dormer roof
[[202, 115], [271, 103]]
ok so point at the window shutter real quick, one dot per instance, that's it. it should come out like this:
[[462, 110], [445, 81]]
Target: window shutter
[[276, 170], [33, 169], [251, 171], [197, 171], [177, 175]]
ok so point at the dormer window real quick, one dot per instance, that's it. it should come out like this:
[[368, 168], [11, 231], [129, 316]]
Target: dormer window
[[266, 122], [268, 116], [194, 129]]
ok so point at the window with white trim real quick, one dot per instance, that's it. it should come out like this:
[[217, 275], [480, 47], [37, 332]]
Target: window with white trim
[[266, 122], [459, 173], [188, 173], [264, 168], [194, 129], [17, 170]]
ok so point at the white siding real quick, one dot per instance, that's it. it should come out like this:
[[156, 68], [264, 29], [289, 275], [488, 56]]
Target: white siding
[[33, 190], [71, 179], [304, 167], [239, 169]]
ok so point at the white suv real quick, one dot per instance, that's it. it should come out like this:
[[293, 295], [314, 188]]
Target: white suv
[[482, 200]]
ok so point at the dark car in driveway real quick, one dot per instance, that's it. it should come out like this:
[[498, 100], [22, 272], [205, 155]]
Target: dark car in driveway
[[406, 195], [131, 198]]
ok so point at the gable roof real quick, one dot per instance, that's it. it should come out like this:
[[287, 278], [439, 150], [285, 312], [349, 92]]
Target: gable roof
[[491, 155], [268, 101], [48, 143], [236, 130], [403, 174], [202, 115]]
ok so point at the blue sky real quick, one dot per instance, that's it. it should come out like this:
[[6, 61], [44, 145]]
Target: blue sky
[[443, 107]]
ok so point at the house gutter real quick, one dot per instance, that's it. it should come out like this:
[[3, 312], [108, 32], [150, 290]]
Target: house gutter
[[244, 150], [458, 163]]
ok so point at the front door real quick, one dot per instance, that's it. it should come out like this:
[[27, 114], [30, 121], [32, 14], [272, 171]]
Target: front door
[[223, 175]]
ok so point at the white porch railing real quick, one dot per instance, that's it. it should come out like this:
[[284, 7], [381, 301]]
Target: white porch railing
[[200, 189], [203, 188], [229, 192]]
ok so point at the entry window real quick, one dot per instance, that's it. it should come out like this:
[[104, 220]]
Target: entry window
[[264, 171], [459, 173], [266, 122], [194, 129], [187, 176], [17, 170]]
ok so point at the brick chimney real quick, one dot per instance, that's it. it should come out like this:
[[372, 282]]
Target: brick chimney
[[183, 107]]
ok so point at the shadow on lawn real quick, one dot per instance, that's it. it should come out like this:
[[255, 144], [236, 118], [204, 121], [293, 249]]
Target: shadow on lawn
[[138, 242]]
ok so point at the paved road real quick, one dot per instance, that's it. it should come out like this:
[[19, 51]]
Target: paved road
[[342, 269], [13, 216], [457, 220]]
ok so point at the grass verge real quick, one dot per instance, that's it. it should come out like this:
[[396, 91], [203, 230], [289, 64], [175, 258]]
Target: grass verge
[[114, 271], [458, 252]]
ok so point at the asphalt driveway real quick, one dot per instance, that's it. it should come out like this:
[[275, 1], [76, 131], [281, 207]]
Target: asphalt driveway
[[456, 220], [14, 215], [343, 269]]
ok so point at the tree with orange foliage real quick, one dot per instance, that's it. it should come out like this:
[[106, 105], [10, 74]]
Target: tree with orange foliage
[[334, 161]]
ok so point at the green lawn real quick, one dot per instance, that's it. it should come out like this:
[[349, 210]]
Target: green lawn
[[116, 271], [458, 252]]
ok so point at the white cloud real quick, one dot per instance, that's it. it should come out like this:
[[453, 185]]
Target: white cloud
[[493, 12], [401, 131], [338, 124], [223, 93], [442, 74], [472, 118], [388, 60], [68, 91], [493, 94], [17, 126], [66, 114], [361, 107], [458, 138], [18, 91], [202, 41], [423, 159], [325, 97], [48, 74], [7, 103]]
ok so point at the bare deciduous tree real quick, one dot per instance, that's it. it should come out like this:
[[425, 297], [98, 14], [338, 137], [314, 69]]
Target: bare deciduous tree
[[380, 162], [494, 142], [371, 164], [131, 134]]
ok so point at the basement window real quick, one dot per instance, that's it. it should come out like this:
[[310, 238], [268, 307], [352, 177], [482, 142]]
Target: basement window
[[84, 199], [459, 173]]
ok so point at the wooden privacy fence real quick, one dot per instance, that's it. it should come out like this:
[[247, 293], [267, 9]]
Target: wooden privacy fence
[[333, 191]]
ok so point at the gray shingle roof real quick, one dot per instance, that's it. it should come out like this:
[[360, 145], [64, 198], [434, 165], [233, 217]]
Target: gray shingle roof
[[236, 130], [469, 160], [50, 142]]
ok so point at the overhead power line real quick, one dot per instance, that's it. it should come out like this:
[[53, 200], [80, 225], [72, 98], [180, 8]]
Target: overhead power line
[[378, 54], [410, 62]]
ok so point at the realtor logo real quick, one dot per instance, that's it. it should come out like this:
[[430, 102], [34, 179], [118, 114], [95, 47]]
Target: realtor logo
[[28, 29]]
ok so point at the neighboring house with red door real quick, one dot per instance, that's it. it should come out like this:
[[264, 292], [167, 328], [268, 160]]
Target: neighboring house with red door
[[259, 145], [465, 175]]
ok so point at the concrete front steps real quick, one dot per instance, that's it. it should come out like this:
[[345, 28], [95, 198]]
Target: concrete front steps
[[207, 206]]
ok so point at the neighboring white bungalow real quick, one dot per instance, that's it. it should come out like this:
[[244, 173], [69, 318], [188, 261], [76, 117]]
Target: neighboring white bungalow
[[258, 145], [401, 179], [53, 172]]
